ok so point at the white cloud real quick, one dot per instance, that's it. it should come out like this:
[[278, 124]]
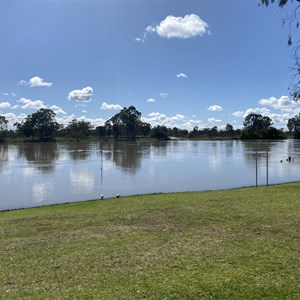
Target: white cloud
[[157, 118], [58, 110], [38, 82], [81, 95], [215, 108], [35, 81], [180, 27], [181, 75], [106, 106], [12, 119], [151, 100], [178, 120], [5, 105], [284, 102], [262, 111], [238, 114], [213, 120], [22, 83], [31, 104], [164, 94]]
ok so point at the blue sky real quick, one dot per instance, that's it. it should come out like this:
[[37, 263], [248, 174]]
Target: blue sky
[[180, 63]]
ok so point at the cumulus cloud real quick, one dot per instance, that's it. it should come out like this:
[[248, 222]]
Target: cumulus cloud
[[151, 100], [215, 108], [5, 105], [31, 104], [106, 106], [181, 75], [177, 27], [35, 81], [213, 120], [180, 27], [283, 102], [238, 114], [81, 95], [38, 81], [57, 110], [156, 118], [13, 118]]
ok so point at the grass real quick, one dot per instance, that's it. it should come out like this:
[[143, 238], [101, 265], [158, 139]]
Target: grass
[[234, 244]]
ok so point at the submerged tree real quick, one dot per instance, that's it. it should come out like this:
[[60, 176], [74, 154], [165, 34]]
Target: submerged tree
[[78, 129], [3, 127], [257, 126], [127, 124], [40, 124]]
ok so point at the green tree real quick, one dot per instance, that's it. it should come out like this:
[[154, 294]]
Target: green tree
[[3, 127], [257, 126], [294, 126], [160, 132], [40, 124], [127, 124], [78, 129]]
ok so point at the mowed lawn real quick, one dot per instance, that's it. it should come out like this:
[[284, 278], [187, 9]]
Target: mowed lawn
[[233, 244]]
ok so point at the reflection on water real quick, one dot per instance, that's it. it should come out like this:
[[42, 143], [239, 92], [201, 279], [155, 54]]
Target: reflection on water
[[46, 173]]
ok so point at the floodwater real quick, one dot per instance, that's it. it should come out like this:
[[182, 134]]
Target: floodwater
[[34, 174]]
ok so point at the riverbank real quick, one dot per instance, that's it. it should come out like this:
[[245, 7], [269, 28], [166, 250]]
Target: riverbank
[[233, 244]]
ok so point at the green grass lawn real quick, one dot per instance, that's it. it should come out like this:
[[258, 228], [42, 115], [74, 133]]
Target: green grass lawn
[[234, 244]]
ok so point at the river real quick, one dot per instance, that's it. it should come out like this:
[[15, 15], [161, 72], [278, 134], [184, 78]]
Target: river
[[34, 174]]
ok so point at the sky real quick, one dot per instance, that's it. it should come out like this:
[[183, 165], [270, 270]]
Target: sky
[[181, 63]]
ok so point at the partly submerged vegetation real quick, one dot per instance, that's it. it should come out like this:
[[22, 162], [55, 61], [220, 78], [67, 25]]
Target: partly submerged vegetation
[[234, 244], [128, 125]]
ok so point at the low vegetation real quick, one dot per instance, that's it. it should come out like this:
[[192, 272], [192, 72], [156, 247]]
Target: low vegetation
[[234, 244]]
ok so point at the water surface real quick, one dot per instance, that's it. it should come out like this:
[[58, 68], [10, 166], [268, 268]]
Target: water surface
[[34, 174]]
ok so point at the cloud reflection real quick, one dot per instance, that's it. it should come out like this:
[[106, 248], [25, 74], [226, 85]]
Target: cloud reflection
[[82, 181]]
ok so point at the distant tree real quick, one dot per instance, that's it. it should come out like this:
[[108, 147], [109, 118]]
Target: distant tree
[[78, 129], [101, 131], [40, 124], [160, 132], [3, 127], [229, 128], [294, 126], [127, 124], [214, 131], [257, 126]]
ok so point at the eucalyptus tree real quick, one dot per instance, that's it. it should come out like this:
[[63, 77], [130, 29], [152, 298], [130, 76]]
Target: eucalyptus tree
[[41, 124], [294, 126], [79, 129], [3, 127]]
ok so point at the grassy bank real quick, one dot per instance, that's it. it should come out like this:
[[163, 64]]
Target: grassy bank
[[236, 244]]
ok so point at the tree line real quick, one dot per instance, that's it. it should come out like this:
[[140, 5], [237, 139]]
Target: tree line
[[127, 124]]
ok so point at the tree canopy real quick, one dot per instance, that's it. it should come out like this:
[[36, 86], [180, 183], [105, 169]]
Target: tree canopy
[[78, 129], [294, 126], [257, 126], [127, 124], [40, 124], [3, 127]]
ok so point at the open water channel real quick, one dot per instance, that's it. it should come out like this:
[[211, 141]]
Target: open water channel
[[34, 174]]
